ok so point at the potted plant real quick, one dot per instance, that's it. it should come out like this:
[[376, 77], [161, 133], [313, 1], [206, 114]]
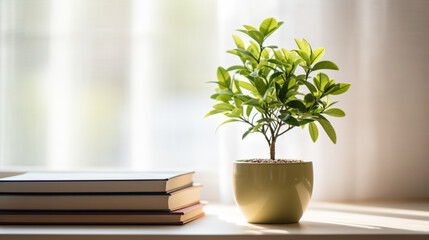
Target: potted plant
[[271, 91]]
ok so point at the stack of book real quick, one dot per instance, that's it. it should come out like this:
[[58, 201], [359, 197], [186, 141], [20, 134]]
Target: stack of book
[[99, 198]]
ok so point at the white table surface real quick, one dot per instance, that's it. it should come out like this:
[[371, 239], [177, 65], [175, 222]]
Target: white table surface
[[400, 220]]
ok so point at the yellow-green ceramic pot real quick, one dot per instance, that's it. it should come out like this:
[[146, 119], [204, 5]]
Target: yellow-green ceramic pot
[[271, 192]]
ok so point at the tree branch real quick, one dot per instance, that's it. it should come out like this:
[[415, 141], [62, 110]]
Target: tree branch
[[285, 131]]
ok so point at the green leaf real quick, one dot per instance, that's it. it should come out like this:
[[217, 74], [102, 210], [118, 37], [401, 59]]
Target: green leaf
[[264, 70], [235, 87], [310, 86], [273, 30], [302, 122], [341, 88], [328, 90], [249, 110], [237, 112], [283, 91], [300, 77], [272, 46], [270, 67], [253, 102], [258, 36], [293, 93], [247, 133], [317, 54], [260, 109], [316, 81], [238, 42], [306, 68], [284, 117], [219, 83], [242, 57], [325, 65], [276, 62], [285, 113], [286, 53], [292, 83], [329, 105], [227, 92], [253, 49], [318, 94], [247, 53], [256, 128], [314, 132], [244, 31], [248, 27], [268, 25], [214, 96], [307, 47], [227, 121], [279, 56], [292, 121], [235, 67], [335, 112], [212, 112], [260, 86], [223, 106], [275, 75], [242, 97], [305, 56], [309, 98], [223, 76], [298, 105], [326, 125], [265, 53], [291, 57], [247, 86], [300, 44], [244, 72], [254, 74], [223, 97], [238, 102], [320, 80]]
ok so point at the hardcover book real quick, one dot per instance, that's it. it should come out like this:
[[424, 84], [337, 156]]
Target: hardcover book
[[94, 182], [101, 201], [177, 217]]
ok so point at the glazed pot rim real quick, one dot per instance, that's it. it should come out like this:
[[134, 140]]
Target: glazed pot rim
[[255, 163]]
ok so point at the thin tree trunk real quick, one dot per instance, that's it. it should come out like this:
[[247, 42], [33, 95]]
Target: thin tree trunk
[[273, 149]]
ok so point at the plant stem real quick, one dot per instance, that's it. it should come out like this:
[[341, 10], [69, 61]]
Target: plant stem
[[273, 148], [285, 131], [263, 129], [261, 48], [264, 132], [307, 74]]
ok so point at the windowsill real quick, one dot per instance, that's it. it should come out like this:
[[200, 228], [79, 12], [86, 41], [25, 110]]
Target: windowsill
[[405, 220]]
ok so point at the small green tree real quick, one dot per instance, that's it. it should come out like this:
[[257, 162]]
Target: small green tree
[[267, 92]]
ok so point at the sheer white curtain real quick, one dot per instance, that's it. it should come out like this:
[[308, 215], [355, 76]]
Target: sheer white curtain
[[102, 85]]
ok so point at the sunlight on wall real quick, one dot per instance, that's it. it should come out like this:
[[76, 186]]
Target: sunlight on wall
[[59, 89], [142, 84]]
